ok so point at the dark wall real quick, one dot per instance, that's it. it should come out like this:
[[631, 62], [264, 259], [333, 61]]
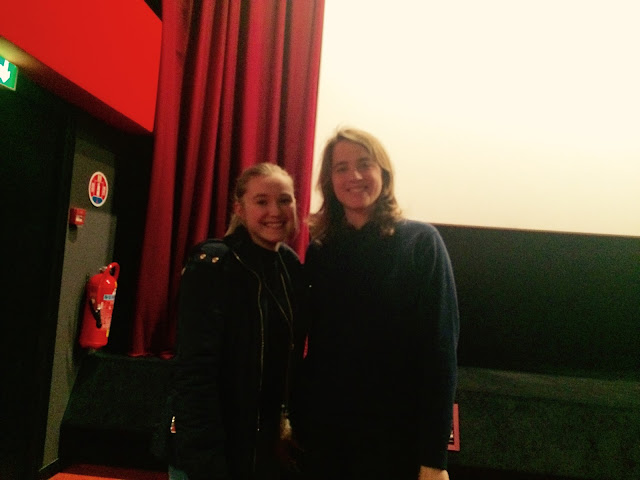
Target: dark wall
[[92, 246], [133, 165], [35, 169], [546, 302], [43, 140]]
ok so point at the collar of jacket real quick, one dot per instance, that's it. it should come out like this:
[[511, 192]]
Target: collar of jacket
[[241, 243]]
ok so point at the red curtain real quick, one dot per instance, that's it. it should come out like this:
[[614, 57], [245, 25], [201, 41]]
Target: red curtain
[[238, 85]]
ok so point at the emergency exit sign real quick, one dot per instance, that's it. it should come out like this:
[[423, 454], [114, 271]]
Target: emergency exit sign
[[8, 74]]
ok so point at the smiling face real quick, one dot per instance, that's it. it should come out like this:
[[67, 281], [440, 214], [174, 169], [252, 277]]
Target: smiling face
[[267, 209], [357, 181]]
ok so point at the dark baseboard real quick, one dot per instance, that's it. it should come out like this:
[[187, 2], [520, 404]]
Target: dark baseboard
[[48, 471]]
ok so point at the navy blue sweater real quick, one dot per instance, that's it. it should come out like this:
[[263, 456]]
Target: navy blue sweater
[[383, 338]]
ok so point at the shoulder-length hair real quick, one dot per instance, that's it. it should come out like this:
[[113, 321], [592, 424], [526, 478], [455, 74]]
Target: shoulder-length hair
[[330, 217], [263, 169]]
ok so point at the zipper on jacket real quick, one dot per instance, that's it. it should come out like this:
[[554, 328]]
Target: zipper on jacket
[[260, 378], [285, 405]]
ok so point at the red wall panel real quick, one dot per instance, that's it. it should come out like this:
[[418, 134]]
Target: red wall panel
[[101, 55]]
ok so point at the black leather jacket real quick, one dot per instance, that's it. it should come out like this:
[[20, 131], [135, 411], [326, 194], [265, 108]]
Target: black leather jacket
[[238, 345]]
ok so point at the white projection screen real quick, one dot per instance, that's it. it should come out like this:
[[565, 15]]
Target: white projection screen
[[517, 114]]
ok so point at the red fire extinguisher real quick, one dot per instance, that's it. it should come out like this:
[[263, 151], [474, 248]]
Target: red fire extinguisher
[[98, 307]]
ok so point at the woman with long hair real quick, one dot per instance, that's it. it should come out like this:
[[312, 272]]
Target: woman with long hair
[[381, 369]]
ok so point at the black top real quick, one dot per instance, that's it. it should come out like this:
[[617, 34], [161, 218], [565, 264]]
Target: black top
[[278, 333], [238, 319], [383, 338]]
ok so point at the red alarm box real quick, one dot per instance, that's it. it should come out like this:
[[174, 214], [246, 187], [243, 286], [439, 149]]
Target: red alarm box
[[76, 216]]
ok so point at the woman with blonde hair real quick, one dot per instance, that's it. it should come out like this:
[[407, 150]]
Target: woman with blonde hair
[[381, 369], [240, 336]]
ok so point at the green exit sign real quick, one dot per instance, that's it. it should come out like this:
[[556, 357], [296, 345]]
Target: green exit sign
[[8, 74]]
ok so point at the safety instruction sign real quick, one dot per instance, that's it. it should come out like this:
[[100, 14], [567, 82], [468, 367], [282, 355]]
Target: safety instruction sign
[[98, 189], [8, 74]]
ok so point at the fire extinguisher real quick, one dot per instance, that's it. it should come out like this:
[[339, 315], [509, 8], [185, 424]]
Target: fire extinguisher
[[98, 307]]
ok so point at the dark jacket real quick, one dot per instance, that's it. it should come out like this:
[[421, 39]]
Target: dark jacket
[[240, 336], [383, 339]]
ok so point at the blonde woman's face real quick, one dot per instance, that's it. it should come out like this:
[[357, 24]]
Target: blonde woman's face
[[267, 210], [356, 179]]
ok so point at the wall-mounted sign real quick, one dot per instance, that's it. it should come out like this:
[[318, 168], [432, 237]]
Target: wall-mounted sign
[[8, 74], [98, 189]]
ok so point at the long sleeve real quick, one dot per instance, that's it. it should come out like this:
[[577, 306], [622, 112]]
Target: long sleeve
[[383, 339], [439, 308], [200, 436]]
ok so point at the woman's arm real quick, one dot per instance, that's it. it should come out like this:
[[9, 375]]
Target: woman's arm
[[199, 430], [439, 310]]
